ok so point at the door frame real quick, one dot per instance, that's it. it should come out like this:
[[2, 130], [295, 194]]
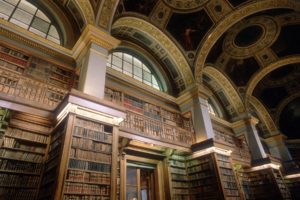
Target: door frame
[[158, 172]]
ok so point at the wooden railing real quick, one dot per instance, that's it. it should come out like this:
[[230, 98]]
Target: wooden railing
[[26, 89], [157, 129]]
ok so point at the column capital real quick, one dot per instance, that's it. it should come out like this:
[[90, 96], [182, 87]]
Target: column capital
[[195, 90], [276, 139], [94, 35]]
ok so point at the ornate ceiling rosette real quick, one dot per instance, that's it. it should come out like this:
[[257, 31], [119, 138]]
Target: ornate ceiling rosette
[[250, 36]]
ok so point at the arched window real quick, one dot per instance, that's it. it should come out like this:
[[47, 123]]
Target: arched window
[[29, 17], [133, 67]]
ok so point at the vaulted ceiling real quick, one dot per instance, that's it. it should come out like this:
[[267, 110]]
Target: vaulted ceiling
[[254, 45]]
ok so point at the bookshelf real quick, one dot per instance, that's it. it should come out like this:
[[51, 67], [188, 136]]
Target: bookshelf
[[88, 174], [227, 177], [293, 184], [260, 185], [203, 178], [179, 178], [52, 161], [284, 191], [12, 59], [22, 154]]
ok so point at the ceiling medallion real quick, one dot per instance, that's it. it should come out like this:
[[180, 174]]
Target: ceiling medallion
[[185, 4], [250, 36]]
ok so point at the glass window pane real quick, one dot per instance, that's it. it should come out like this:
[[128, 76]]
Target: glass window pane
[[147, 76], [53, 32], [28, 7], [6, 8], [138, 72], [137, 63], [154, 81], [13, 2], [38, 32], [118, 68], [40, 25], [127, 58], [19, 23], [117, 61], [146, 68], [127, 67], [118, 54], [22, 16], [41, 15], [3, 16]]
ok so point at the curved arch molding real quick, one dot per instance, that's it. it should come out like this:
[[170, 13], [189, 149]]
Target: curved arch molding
[[87, 10], [155, 34], [231, 19], [230, 91], [283, 104], [271, 67], [263, 115]]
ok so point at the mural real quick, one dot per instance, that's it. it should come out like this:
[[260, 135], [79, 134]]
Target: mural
[[140, 6], [189, 29]]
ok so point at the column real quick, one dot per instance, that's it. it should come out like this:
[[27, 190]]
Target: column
[[195, 101], [247, 127], [278, 148], [91, 52]]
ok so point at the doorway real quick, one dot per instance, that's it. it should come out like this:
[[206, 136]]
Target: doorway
[[140, 181]]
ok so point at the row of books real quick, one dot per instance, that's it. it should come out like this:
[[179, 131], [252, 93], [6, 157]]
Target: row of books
[[25, 156], [20, 166], [29, 126], [19, 194], [196, 162], [89, 125], [90, 155], [176, 163], [180, 191], [76, 175], [200, 167], [13, 52], [13, 59], [92, 145], [21, 134], [201, 175], [202, 182], [225, 171], [14, 144], [178, 171], [85, 197], [179, 177], [180, 197], [92, 134], [180, 184], [18, 180], [81, 188], [88, 165]]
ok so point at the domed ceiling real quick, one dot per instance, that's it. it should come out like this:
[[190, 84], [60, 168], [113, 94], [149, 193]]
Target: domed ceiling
[[255, 45]]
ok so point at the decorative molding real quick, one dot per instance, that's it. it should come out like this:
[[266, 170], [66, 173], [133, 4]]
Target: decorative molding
[[156, 34], [262, 73], [237, 15], [263, 115], [231, 93], [87, 10], [185, 5], [106, 13]]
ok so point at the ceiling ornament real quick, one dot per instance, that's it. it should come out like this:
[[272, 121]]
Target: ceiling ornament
[[156, 34], [250, 36], [231, 93], [273, 66], [232, 18], [185, 4]]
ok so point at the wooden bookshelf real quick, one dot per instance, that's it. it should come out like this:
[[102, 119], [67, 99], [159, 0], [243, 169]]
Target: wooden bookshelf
[[227, 177], [22, 154], [88, 174], [293, 185], [179, 178], [203, 178]]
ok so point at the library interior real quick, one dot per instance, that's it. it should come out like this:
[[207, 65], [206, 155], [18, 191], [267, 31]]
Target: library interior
[[149, 99]]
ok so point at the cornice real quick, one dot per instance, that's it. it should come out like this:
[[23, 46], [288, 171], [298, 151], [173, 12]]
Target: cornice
[[196, 90]]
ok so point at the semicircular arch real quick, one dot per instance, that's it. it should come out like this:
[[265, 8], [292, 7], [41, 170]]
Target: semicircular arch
[[166, 44], [230, 92]]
